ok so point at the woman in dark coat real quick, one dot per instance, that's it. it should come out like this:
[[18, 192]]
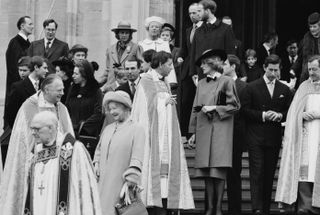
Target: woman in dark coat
[[84, 100], [211, 124]]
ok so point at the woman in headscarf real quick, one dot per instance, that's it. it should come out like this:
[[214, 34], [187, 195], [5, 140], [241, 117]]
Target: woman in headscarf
[[119, 155]]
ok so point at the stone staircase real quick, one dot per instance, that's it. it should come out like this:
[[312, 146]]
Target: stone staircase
[[198, 188]]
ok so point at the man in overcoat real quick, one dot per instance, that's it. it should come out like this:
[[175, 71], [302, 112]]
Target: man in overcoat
[[265, 105], [213, 34]]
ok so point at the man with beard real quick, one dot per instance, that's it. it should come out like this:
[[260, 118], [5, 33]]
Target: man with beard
[[213, 34]]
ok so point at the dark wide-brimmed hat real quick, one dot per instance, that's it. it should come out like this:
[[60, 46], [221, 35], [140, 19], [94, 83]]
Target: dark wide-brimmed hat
[[124, 25], [211, 53], [78, 48], [313, 18]]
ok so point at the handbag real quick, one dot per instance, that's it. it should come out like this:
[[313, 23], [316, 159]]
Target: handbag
[[135, 208], [90, 142]]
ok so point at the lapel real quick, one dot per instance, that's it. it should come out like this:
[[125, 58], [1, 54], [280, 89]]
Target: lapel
[[264, 89], [54, 46], [276, 91], [188, 32], [114, 54], [28, 86], [126, 52]]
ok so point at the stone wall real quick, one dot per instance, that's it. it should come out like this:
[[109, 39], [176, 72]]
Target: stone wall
[[88, 22]]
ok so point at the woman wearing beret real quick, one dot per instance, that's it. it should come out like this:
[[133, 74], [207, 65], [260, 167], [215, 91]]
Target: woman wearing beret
[[84, 101], [123, 50], [119, 155], [211, 124], [78, 52]]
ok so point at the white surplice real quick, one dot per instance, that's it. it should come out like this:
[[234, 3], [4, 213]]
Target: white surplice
[[311, 140]]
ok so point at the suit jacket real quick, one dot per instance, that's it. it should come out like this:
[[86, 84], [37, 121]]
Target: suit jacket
[[126, 88], [57, 50], [286, 67], [262, 53], [239, 128], [133, 52], [184, 53], [17, 48], [19, 92], [256, 100]]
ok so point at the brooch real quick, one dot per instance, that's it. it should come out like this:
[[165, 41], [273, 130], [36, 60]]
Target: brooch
[[79, 96]]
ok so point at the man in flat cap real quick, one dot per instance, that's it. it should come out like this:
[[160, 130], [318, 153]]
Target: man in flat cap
[[123, 50], [309, 45]]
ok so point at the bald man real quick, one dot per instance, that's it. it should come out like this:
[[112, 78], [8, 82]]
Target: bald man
[[60, 168], [21, 141]]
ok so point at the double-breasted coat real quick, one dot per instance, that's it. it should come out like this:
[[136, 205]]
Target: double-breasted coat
[[214, 137]]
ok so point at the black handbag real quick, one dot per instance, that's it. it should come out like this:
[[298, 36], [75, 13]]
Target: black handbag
[[135, 208], [90, 142]]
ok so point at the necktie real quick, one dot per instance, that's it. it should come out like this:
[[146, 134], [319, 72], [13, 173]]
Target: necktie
[[133, 88], [46, 50], [36, 85], [194, 28], [292, 60], [270, 86]]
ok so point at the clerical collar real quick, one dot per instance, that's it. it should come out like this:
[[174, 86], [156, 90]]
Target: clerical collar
[[212, 21], [43, 103], [23, 36], [315, 82], [268, 81]]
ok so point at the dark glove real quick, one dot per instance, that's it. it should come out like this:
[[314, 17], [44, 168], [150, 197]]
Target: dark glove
[[197, 109]]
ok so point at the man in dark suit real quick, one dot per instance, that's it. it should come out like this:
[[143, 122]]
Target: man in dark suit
[[230, 68], [49, 47], [187, 88], [132, 69], [288, 59], [17, 48], [267, 47], [23, 89], [265, 105]]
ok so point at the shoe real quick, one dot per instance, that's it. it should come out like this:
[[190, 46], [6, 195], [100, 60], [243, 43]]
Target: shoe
[[257, 212]]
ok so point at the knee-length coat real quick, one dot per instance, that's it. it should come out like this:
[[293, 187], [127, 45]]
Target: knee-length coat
[[214, 137]]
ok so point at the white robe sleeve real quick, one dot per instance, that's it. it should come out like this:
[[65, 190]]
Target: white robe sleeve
[[83, 197]]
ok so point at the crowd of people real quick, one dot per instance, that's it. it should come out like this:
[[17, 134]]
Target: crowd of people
[[74, 143]]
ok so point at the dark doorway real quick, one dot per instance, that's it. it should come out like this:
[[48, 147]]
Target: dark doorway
[[292, 16], [251, 18]]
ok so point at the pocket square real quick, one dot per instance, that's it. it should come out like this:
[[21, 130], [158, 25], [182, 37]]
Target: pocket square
[[281, 96]]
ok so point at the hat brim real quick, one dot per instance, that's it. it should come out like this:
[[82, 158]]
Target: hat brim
[[128, 29], [79, 50], [213, 52], [113, 97]]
